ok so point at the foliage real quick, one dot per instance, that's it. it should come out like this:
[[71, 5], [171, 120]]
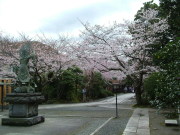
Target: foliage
[[97, 87], [70, 82], [171, 8], [67, 86], [166, 92], [101, 49], [169, 85], [168, 57], [150, 84], [146, 6], [144, 32], [110, 50], [128, 81], [51, 58], [163, 88]]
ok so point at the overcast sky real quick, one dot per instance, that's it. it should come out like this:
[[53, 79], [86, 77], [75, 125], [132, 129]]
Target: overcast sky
[[61, 16]]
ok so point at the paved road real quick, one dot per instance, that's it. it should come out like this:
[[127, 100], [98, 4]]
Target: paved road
[[109, 101], [95, 118]]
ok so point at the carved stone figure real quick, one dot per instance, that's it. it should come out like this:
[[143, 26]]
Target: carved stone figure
[[23, 76], [23, 102]]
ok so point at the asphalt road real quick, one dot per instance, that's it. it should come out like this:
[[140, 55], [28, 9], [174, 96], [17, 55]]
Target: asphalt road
[[106, 102], [95, 118]]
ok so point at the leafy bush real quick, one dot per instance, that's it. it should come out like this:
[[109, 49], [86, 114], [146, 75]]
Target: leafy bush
[[150, 85], [68, 85], [162, 90], [167, 90], [166, 93], [97, 87]]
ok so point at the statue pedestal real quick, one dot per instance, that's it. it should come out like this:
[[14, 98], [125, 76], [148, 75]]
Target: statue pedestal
[[23, 109]]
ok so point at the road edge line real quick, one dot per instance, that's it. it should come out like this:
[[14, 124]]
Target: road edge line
[[101, 126]]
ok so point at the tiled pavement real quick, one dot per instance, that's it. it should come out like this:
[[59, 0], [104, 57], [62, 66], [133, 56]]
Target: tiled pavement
[[138, 124]]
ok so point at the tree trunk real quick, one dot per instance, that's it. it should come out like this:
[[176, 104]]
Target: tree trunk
[[138, 89], [138, 95]]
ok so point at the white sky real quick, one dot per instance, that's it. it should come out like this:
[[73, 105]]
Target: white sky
[[53, 17]]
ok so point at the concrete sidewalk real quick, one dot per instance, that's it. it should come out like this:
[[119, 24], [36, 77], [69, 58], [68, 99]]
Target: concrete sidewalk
[[138, 124]]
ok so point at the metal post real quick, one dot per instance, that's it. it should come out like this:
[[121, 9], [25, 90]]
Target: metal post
[[116, 105]]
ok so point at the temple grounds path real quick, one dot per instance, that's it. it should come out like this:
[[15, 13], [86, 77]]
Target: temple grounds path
[[95, 118]]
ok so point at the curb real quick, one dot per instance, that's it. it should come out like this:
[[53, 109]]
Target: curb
[[138, 124]]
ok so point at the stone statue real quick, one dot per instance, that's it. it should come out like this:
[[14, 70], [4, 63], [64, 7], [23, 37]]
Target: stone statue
[[23, 77], [23, 102]]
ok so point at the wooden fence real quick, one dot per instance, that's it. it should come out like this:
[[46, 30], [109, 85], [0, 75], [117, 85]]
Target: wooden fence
[[4, 89]]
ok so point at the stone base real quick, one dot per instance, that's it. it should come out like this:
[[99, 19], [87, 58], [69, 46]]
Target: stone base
[[23, 110], [23, 121]]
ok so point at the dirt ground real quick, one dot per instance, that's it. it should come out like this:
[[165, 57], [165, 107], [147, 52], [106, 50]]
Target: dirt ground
[[157, 124]]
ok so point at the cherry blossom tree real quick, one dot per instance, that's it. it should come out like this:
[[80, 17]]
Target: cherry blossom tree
[[52, 56], [8, 55], [145, 32], [122, 49], [101, 49], [117, 50]]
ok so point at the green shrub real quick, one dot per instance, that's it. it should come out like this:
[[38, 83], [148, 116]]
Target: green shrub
[[161, 90], [68, 85], [167, 91], [168, 88], [105, 93], [150, 85], [97, 87]]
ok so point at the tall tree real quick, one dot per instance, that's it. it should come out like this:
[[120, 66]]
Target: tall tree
[[171, 8], [144, 33], [110, 49]]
